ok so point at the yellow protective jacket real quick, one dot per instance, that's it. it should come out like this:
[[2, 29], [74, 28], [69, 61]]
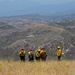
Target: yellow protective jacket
[[59, 52], [42, 52], [37, 54], [22, 53], [30, 52]]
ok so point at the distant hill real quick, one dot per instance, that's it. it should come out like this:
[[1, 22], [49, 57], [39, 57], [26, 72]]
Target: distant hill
[[37, 18], [4, 26], [23, 31]]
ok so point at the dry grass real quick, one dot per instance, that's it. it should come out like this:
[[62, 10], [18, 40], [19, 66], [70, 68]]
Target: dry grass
[[37, 68]]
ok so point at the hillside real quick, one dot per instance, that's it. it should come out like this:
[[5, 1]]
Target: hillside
[[26, 34], [37, 68]]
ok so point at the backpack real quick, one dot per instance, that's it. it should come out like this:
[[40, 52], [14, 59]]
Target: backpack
[[22, 53], [31, 55]]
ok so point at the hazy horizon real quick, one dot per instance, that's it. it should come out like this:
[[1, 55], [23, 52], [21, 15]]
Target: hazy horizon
[[44, 7]]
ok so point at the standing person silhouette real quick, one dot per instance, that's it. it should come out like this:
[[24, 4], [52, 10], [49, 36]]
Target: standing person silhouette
[[59, 53]]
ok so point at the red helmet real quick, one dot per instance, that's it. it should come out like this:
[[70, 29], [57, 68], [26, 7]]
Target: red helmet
[[31, 49], [42, 48], [22, 48]]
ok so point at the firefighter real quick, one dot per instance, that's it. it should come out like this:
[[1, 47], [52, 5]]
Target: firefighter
[[43, 54], [37, 55], [59, 53], [31, 55], [22, 54]]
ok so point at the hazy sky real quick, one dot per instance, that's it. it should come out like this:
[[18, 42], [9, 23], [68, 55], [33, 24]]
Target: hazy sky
[[39, 1], [52, 1], [20, 7]]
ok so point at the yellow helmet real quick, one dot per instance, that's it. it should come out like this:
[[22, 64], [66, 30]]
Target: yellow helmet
[[39, 50], [58, 46]]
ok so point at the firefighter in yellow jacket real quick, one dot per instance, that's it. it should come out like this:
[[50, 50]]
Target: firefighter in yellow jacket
[[59, 53], [37, 55], [31, 55], [43, 54], [22, 54]]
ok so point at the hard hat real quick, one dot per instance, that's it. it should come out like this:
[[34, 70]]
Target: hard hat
[[58, 46], [38, 50], [42, 48], [22, 48], [31, 49]]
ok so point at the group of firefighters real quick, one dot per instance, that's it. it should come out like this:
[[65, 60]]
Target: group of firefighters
[[40, 54]]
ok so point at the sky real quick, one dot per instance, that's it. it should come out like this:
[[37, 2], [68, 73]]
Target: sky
[[45, 7]]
